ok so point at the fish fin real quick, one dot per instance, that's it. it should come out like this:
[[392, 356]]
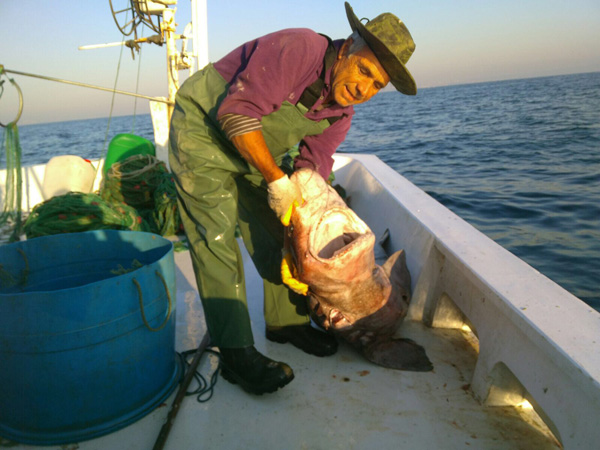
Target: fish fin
[[400, 354], [397, 271], [381, 255], [383, 240]]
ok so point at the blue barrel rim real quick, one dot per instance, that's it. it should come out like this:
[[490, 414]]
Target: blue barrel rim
[[131, 273]]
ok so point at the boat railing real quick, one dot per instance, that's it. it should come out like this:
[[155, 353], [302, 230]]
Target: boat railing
[[537, 342]]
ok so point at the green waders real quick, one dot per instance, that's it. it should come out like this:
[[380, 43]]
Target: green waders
[[218, 189]]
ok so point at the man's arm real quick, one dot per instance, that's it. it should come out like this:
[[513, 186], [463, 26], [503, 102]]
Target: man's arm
[[284, 195], [253, 148]]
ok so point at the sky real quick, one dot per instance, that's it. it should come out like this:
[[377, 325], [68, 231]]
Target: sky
[[457, 42]]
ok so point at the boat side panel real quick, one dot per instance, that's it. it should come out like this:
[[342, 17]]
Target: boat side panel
[[544, 336]]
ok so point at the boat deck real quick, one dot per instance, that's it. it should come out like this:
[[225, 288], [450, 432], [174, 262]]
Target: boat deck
[[341, 401]]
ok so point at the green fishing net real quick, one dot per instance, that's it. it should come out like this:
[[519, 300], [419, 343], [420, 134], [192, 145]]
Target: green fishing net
[[11, 216], [138, 194], [75, 212], [165, 213], [144, 183]]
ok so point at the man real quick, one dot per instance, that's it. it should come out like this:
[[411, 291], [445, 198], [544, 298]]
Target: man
[[233, 123]]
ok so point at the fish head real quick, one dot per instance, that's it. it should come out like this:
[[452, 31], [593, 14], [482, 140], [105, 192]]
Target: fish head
[[334, 255], [332, 246], [349, 293]]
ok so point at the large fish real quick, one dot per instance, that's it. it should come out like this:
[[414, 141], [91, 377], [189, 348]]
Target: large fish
[[349, 293]]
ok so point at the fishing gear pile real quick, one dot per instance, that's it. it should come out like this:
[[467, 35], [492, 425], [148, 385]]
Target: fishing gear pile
[[75, 212], [144, 183], [138, 194], [11, 213]]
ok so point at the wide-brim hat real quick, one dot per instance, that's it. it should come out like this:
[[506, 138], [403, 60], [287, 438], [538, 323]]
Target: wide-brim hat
[[392, 44]]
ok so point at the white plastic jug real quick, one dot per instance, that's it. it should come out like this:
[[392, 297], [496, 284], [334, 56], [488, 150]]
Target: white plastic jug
[[67, 173]]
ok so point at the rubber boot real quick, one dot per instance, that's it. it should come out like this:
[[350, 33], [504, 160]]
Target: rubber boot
[[305, 337], [253, 371]]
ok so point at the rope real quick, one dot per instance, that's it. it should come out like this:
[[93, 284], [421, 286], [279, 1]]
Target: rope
[[112, 104], [75, 212], [7, 280], [141, 299], [144, 183], [133, 181], [205, 389], [14, 83], [134, 166], [161, 440], [137, 84], [91, 86], [138, 194], [120, 270], [11, 214]]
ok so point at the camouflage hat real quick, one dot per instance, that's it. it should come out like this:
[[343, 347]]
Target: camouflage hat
[[390, 40]]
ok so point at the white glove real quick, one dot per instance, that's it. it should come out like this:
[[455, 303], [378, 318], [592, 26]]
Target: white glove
[[284, 196]]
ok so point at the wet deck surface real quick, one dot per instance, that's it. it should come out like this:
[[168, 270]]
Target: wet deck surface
[[342, 401]]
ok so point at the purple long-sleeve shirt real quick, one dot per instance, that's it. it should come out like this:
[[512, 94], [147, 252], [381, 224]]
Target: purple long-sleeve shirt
[[278, 67]]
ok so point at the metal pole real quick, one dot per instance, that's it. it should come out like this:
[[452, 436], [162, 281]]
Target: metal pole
[[166, 428], [168, 29], [200, 34]]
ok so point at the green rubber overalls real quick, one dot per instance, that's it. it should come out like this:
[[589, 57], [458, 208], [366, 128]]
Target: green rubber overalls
[[218, 189]]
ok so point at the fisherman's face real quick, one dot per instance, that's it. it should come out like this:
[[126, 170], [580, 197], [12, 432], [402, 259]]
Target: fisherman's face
[[358, 77]]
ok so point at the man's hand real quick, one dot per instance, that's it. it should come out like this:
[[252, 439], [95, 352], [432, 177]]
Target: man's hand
[[288, 274], [284, 196]]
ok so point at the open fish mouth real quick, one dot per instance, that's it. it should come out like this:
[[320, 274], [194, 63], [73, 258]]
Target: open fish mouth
[[337, 232]]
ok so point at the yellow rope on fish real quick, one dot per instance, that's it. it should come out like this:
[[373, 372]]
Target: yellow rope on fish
[[289, 274]]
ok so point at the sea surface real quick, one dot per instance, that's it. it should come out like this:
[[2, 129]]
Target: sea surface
[[517, 159]]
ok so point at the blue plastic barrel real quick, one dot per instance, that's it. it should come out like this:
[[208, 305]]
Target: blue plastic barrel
[[87, 334]]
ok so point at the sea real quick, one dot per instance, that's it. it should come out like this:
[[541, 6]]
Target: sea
[[517, 159]]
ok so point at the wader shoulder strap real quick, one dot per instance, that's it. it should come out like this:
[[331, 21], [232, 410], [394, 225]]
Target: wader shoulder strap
[[313, 92]]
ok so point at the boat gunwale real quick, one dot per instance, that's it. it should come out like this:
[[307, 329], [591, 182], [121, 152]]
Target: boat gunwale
[[555, 360]]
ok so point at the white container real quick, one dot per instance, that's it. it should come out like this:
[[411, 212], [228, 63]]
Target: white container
[[67, 173]]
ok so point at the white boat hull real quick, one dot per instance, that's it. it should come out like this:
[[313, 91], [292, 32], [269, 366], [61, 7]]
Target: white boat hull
[[536, 345], [537, 342]]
